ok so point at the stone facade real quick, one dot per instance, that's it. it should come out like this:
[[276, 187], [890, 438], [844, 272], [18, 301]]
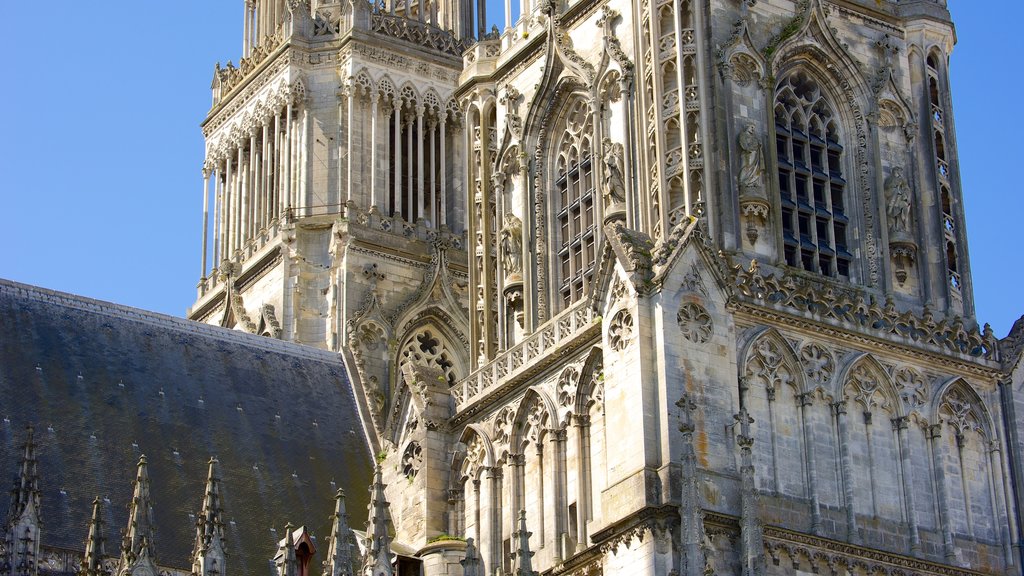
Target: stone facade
[[655, 287]]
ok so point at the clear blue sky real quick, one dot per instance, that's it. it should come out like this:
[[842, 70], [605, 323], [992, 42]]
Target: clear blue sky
[[101, 155]]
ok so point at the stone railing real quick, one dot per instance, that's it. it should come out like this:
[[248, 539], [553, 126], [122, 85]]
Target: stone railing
[[231, 76], [487, 49], [848, 307], [533, 353], [419, 33]]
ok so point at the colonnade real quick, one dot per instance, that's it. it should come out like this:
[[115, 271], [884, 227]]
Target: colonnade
[[255, 180], [261, 19], [406, 161]]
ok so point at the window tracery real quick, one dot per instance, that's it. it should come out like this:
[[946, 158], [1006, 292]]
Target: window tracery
[[575, 213], [811, 184], [427, 349]]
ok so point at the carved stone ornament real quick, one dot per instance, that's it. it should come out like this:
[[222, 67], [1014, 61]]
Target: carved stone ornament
[[911, 386], [818, 363], [568, 383], [695, 323], [613, 184], [751, 176], [852, 309], [897, 192], [412, 460], [512, 245], [620, 330]]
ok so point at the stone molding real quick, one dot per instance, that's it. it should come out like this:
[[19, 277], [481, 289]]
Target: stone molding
[[36, 294]]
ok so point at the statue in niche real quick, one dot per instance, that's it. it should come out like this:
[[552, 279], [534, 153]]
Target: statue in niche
[[512, 244], [898, 191], [613, 183], [752, 160]]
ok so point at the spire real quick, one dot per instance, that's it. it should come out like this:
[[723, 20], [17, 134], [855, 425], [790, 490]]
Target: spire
[[25, 496], [137, 546], [92, 563], [339, 552], [287, 564], [21, 537], [471, 564], [523, 565], [208, 555], [378, 541]]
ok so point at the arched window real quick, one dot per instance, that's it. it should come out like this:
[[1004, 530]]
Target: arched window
[[812, 188], [937, 117], [575, 196]]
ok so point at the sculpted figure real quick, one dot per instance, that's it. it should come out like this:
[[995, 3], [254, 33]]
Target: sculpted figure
[[898, 209], [613, 184], [512, 244], [752, 159]]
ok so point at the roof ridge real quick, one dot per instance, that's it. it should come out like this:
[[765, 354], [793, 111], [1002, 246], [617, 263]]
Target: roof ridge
[[103, 307]]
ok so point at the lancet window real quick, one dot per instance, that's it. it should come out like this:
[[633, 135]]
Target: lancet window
[[937, 117], [812, 188], [575, 196]]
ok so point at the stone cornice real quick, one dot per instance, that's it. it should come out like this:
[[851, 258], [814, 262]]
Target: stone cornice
[[887, 347]]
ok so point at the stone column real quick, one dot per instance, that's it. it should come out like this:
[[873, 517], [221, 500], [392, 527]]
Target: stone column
[[495, 517], [443, 216], [252, 192], [351, 98], [517, 491], [206, 216], [431, 212], [805, 401], [419, 157], [839, 410], [287, 193], [583, 507], [236, 244], [265, 176], [397, 207], [374, 137], [225, 216], [558, 436], [938, 459], [218, 199], [906, 466], [409, 204]]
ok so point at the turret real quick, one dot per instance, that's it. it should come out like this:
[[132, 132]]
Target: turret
[[339, 551], [208, 555], [377, 561], [137, 546], [22, 527], [92, 562]]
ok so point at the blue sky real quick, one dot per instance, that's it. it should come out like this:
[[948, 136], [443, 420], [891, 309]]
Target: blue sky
[[100, 161]]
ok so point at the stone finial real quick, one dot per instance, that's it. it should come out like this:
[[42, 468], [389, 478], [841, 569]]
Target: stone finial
[[137, 546], [21, 536], [208, 555], [285, 560], [92, 562], [523, 564], [339, 551], [471, 564], [378, 542]]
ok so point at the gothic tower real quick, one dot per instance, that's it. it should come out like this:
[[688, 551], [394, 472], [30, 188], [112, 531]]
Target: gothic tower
[[653, 287]]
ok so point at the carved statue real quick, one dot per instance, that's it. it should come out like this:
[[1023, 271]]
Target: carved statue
[[898, 192], [752, 165], [613, 184], [512, 244]]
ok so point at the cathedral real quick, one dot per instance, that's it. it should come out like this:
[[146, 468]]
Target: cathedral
[[644, 288]]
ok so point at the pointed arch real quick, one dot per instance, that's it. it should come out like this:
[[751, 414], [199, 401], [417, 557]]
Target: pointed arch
[[866, 382], [956, 397], [772, 383], [537, 414]]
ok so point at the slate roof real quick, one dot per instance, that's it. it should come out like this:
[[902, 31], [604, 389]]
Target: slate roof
[[103, 384]]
